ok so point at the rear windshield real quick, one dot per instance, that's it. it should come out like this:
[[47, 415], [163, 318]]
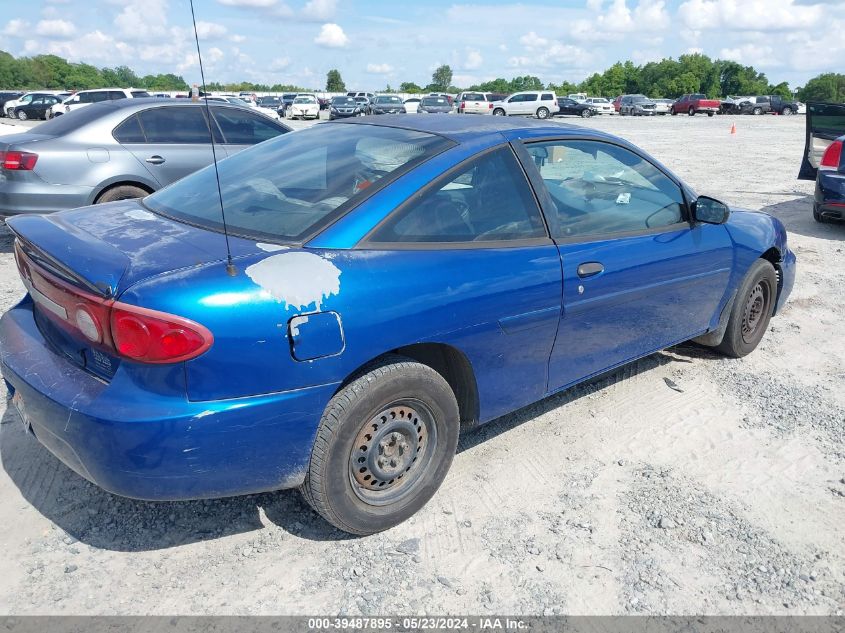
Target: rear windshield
[[140, 94], [289, 187], [389, 100], [473, 96], [75, 119], [435, 101], [344, 101]]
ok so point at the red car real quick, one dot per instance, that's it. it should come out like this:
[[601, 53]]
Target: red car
[[616, 102], [695, 103]]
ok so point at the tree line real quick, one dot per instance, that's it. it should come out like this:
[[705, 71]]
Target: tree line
[[665, 78]]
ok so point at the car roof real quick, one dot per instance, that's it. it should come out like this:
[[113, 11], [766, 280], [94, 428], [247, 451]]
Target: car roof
[[463, 128]]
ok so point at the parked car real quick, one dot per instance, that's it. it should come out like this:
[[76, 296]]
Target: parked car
[[304, 107], [578, 97], [363, 103], [37, 108], [636, 105], [234, 101], [769, 104], [412, 104], [601, 105], [539, 103], [10, 105], [369, 96], [434, 105], [248, 96], [662, 106], [824, 160], [446, 96], [85, 98], [802, 108], [343, 108], [153, 369], [269, 103], [692, 104], [475, 103], [161, 95], [387, 104], [8, 96], [285, 102], [732, 104], [570, 106], [324, 102], [617, 103], [119, 149]]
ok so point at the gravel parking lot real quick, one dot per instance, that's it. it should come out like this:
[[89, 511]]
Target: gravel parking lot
[[683, 484]]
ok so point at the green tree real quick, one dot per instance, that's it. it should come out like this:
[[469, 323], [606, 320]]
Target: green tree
[[409, 86], [829, 87], [334, 82], [441, 78]]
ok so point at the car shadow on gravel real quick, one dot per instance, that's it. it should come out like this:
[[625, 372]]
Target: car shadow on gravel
[[7, 238], [100, 519], [797, 217]]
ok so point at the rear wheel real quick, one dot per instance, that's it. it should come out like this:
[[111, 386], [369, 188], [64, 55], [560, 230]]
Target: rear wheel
[[710, 114], [692, 111], [122, 192], [542, 113], [586, 113], [751, 311], [787, 111], [818, 217], [384, 445]]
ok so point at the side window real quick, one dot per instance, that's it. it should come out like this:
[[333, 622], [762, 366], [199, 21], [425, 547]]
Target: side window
[[85, 97], [601, 189], [488, 200], [244, 128], [516, 99], [96, 97], [129, 131], [174, 125], [530, 97], [114, 95], [546, 97]]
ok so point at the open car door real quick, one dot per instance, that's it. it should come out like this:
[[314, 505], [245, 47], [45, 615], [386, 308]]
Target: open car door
[[825, 123]]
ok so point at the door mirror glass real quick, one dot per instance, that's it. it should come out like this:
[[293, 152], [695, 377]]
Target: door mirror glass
[[711, 211]]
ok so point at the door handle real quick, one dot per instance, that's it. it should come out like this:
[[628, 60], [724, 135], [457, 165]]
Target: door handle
[[155, 160], [589, 269]]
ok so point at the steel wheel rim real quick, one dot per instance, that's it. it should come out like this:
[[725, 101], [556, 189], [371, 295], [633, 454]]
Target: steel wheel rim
[[754, 311], [392, 452]]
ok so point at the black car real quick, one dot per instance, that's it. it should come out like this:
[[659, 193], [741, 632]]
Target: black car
[[343, 107], [572, 107], [769, 104], [8, 96], [37, 108], [285, 102], [387, 104], [434, 105], [363, 103]]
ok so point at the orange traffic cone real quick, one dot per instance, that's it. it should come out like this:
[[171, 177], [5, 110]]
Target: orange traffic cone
[[733, 128]]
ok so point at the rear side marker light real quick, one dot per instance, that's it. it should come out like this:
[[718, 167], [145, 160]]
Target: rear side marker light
[[832, 156], [18, 161]]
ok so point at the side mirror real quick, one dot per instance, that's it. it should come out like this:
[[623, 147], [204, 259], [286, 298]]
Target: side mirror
[[710, 211]]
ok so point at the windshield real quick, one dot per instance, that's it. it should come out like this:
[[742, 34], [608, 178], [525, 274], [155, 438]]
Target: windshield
[[304, 100], [638, 98], [389, 100], [344, 101], [286, 188]]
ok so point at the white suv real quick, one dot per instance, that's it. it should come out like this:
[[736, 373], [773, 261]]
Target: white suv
[[87, 97], [26, 98], [539, 103]]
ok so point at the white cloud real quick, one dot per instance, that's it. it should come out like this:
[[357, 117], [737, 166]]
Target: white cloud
[[55, 28], [16, 28], [210, 29], [143, 20], [473, 60], [751, 54], [259, 4], [379, 69], [237, 39], [595, 5], [319, 10], [331, 36], [280, 63], [754, 15], [93, 47]]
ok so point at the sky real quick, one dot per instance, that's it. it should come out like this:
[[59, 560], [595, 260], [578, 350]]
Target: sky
[[374, 44]]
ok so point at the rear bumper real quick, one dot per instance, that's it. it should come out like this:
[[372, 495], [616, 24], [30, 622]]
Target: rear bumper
[[787, 279], [137, 443], [829, 199], [37, 196]]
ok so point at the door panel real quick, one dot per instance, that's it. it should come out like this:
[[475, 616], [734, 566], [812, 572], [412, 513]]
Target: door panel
[[653, 291], [825, 123]]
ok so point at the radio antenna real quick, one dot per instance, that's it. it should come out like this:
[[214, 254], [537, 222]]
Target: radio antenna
[[230, 266]]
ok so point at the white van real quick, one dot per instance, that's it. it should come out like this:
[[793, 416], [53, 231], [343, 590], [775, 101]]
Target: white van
[[87, 97]]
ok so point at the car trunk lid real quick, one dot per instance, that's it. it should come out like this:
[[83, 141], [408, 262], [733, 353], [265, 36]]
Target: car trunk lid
[[825, 123]]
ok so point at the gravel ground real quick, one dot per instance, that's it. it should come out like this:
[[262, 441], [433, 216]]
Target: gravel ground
[[683, 484]]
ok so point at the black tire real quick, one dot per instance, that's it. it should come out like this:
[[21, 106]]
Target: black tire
[[757, 111], [121, 192], [692, 111], [710, 113], [818, 217], [787, 111], [586, 113], [543, 113], [751, 311], [674, 113], [22, 116], [498, 112], [406, 403]]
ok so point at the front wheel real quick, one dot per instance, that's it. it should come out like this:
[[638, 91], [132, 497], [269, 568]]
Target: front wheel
[[758, 111], [498, 112], [22, 115], [751, 310], [384, 446]]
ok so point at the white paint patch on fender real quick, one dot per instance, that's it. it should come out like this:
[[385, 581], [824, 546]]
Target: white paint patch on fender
[[297, 279], [140, 214], [295, 322], [271, 248]]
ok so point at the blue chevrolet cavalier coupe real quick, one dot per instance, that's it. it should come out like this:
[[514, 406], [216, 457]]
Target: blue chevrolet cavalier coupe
[[393, 282]]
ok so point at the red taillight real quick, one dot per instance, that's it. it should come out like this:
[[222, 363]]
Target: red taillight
[[148, 336], [490, 106], [21, 161], [832, 155], [139, 334]]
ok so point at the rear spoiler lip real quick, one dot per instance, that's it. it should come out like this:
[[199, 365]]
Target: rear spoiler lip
[[95, 255]]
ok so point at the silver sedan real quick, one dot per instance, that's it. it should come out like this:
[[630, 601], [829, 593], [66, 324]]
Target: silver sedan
[[120, 149]]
